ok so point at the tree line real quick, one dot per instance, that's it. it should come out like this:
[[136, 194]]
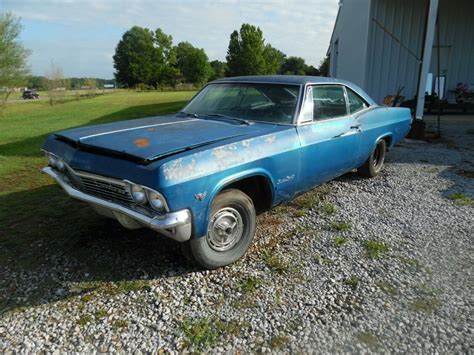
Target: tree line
[[148, 58], [39, 82]]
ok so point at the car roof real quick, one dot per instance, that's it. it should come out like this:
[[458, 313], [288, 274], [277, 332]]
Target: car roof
[[282, 79]]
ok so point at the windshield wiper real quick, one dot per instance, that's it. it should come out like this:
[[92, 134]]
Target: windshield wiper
[[218, 115], [212, 115], [188, 114]]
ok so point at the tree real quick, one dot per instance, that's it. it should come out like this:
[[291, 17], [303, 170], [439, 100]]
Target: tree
[[166, 71], [135, 56], [245, 55], [274, 59], [311, 70], [55, 84], [324, 66], [293, 65], [13, 67], [193, 63], [218, 69], [37, 82]]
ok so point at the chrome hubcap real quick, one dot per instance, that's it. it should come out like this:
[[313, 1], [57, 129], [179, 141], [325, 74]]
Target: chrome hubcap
[[225, 229]]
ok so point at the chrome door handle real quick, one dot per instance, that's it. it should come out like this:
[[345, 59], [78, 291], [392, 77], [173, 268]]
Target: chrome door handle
[[339, 135], [357, 126]]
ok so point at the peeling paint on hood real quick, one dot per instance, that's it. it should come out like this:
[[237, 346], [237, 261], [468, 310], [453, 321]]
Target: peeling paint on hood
[[155, 137]]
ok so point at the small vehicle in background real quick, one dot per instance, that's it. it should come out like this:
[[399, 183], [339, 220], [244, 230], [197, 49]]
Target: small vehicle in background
[[30, 95]]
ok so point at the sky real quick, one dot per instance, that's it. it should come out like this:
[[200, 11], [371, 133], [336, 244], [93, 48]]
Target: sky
[[80, 36]]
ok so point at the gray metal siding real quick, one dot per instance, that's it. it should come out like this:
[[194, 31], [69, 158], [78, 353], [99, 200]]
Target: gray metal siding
[[456, 43], [392, 64], [348, 46]]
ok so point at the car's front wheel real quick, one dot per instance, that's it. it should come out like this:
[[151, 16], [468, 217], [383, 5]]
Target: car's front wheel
[[374, 163], [230, 231]]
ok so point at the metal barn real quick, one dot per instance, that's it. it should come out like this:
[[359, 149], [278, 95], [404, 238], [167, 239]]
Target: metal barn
[[424, 46]]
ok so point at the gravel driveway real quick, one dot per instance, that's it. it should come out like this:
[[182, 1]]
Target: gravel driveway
[[355, 265]]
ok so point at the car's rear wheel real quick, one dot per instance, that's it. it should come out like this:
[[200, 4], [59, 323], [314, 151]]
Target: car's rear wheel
[[374, 164], [230, 231]]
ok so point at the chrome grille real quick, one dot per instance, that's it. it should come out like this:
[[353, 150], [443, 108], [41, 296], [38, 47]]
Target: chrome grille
[[106, 188]]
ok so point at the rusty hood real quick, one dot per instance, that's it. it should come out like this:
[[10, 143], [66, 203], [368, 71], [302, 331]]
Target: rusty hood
[[152, 138]]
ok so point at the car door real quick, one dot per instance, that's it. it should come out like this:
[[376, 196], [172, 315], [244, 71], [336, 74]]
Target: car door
[[329, 135]]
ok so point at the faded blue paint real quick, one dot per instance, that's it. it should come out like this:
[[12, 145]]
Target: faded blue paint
[[188, 157]]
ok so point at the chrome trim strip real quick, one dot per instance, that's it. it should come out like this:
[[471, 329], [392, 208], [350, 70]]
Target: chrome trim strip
[[176, 225], [133, 128], [356, 114], [98, 177]]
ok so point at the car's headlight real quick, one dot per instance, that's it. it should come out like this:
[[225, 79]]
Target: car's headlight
[[143, 195], [51, 159], [138, 194], [60, 164], [55, 161], [155, 200]]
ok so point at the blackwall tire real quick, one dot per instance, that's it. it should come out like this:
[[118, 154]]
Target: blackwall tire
[[231, 229], [374, 164]]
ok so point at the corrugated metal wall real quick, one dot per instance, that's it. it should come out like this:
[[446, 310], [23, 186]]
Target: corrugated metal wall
[[395, 47], [456, 19]]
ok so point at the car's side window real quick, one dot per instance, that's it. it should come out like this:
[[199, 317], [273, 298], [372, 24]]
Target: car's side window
[[329, 102], [356, 103]]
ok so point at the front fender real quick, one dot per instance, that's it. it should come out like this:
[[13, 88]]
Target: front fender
[[202, 208], [228, 180]]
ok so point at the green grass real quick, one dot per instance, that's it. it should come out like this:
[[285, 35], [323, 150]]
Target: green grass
[[352, 281], [424, 305], [101, 313], [387, 287], [340, 241], [375, 249], [38, 222], [279, 341], [461, 199], [206, 332], [340, 226], [275, 262], [329, 208], [124, 287], [84, 320], [410, 262], [368, 339], [250, 284], [120, 323]]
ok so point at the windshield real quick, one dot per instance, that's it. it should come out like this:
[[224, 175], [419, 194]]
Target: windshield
[[273, 103]]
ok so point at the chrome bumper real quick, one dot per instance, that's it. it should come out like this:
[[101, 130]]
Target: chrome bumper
[[176, 225]]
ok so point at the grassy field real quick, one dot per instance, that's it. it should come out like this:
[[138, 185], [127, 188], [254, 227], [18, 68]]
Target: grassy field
[[37, 221]]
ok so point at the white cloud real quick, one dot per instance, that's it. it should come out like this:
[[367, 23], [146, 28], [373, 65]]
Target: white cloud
[[297, 27]]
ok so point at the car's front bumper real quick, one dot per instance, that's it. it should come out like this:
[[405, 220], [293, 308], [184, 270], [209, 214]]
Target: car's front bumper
[[176, 225]]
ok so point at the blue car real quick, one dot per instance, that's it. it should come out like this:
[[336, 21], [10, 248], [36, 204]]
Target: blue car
[[241, 146]]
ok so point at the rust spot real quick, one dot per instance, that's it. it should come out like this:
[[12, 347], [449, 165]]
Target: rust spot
[[151, 129], [141, 142]]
